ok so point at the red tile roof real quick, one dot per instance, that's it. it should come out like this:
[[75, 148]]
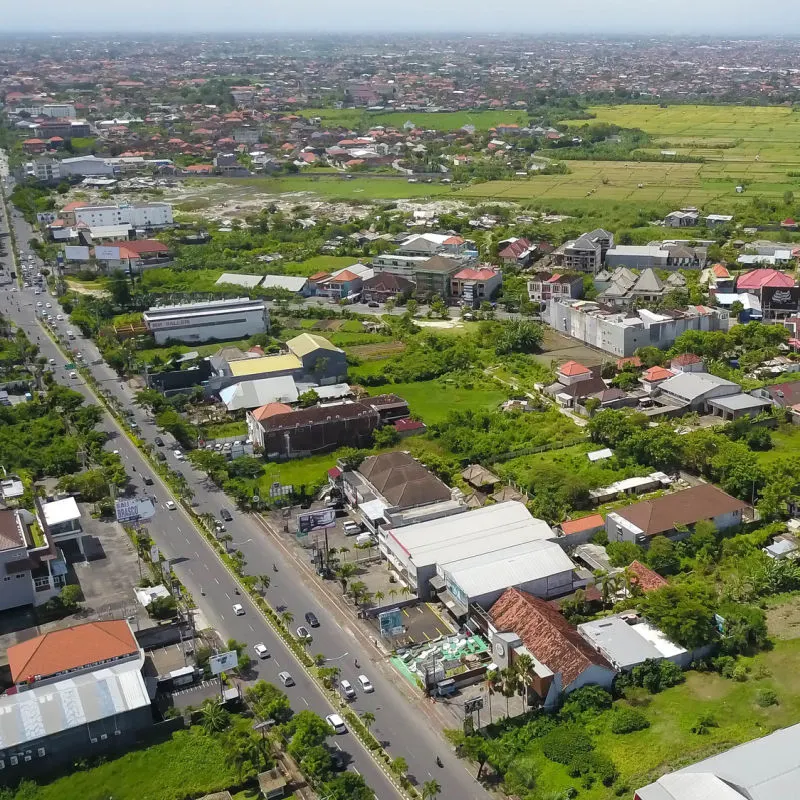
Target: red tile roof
[[684, 359], [657, 374], [720, 271], [573, 526], [515, 249], [546, 634], [345, 276], [71, 648], [646, 579], [469, 274], [408, 425], [759, 278], [271, 410], [572, 368], [629, 361]]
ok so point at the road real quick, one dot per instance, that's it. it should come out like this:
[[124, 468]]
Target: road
[[400, 722]]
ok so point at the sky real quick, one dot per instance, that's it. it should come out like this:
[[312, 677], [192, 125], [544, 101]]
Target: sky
[[599, 17]]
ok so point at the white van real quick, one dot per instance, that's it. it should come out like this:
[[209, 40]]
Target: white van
[[363, 539]]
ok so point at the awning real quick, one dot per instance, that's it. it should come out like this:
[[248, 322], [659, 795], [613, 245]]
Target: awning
[[437, 583], [453, 605]]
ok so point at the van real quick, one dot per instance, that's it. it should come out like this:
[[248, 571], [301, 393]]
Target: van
[[286, 679], [363, 539], [351, 528]]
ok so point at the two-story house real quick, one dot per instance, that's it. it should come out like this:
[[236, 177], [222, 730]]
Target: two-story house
[[474, 285], [544, 286]]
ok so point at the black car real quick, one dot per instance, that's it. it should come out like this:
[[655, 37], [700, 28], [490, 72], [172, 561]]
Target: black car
[[226, 515], [159, 441], [311, 619], [148, 480]]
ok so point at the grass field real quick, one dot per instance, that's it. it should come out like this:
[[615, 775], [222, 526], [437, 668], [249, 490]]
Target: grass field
[[438, 120], [785, 444], [203, 349]]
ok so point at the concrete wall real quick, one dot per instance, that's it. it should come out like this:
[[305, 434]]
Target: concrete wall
[[16, 588]]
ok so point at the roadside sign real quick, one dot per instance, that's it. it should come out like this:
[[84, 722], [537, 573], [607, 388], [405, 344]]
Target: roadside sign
[[280, 490], [391, 622], [71, 365], [223, 661], [154, 554], [316, 520], [134, 509]]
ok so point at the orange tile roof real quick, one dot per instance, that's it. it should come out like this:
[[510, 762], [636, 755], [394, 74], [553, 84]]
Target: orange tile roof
[[657, 374], [71, 648], [271, 410], [572, 368], [345, 276], [584, 523], [646, 579]]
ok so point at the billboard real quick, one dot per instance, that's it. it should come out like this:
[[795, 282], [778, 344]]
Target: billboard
[[391, 622], [133, 509], [223, 661], [46, 217], [103, 253], [75, 253], [316, 520], [779, 298]]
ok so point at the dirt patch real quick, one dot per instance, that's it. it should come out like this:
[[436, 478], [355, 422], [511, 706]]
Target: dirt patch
[[562, 348], [328, 325], [783, 621], [371, 352], [705, 686]]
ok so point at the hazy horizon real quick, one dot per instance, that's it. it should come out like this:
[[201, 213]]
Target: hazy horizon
[[315, 17]]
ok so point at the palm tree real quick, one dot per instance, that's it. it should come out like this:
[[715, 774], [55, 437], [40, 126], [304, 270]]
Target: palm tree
[[344, 550], [629, 580], [492, 687], [214, 718], [265, 581], [510, 681], [430, 790], [392, 594], [525, 670], [379, 596], [287, 618], [226, 539], [406, 590], [607, 583], [368, 718], [344, 573]]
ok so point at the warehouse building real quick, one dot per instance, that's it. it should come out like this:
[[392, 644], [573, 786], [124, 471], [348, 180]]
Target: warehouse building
[[203, 322]]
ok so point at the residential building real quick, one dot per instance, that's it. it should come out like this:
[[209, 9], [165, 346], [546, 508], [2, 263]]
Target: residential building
[[139, 215], [718, 220], [516, 252], [685, 218], [236, 318], [762, 769], [574, 382], [132, 256], [343, 284], [668, 514], [637, 256], [473, 285], [385, 286], [626, 641], [64, 128], [302, 432], [60, 520], [687, 362], [621, 333], [652, 378], [563, 661], [693, 390], [16, 584], [784, 395], [546, 286], [47, 170], [416, 250], [80, 693], [587, 253], [684, 256], [757, 280], [435, 275], [581, 530]]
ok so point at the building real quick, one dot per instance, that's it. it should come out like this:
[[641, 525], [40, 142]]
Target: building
[[763, 769], [260, 392], [319, 358], [628, 288], [718, 220], [418, 249], [305, 431], [546, 286], [685, 218], [587, 253], [61, 522], [385, 286], [574, 382], [46, 170], [16, 584], [687, 362], [473, 557], [652, 378], [473, 285], [580, 531], [516, 252], [637, 256], [138, 215], [563, 661], [621, 333], [626, 640], [434, 276], [671, 514], [344, 284], [79, 693], [202, 322], [693, 390], [131, 256]]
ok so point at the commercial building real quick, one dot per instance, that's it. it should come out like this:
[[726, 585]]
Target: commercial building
[[641, 256], [621, 333], [79, 693], [674, 514], [138, 215], [586, 253], [763, 769], [414, 251], [434, 276], [385, 286], [16, 585], [474, 557], [131, 256], [202, 322], [563, 661]]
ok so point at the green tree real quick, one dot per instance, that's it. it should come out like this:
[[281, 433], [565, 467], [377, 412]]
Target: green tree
[[268, 702], [213, 716], [384, 437], [70, 596], [662, 556], [308, 398], [431, 790]]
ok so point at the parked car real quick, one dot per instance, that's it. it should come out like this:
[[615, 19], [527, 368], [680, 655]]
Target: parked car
[[347, 689], [226, 515], [303, 632], [178, 454], [159, 441], [337, 723], [311, 619], [261, 650], [351, 528], [373, 304]]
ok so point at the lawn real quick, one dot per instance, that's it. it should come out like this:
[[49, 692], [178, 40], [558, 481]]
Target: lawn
[[188, 764], [203, 349], [785, 444], [669, 742], [225, 430], [433, 400]]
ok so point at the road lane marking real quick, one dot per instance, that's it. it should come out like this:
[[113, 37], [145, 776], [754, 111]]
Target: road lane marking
[[304, 700], [216, 580], [251, 627]]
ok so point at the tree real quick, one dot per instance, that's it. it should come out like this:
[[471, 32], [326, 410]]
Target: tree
[[317, 764], [368, 718], [662, 556], [476, 749], [308, 398], [620, 554], [287, 618], [305, 730], [431, 790], [520, 336], [411, 307], [119, 288], [493, 684], [399, 766], [526, 671], [162, 607], [213, 717], [684, 612], [384, 437], [744, 629], [268, 702], [347, 786], [264, 581]]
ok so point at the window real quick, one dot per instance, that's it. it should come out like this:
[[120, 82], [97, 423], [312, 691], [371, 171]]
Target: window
[[7, 578]]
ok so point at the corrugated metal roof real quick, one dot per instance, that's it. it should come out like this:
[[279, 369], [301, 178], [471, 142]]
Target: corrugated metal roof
[[265, 364]]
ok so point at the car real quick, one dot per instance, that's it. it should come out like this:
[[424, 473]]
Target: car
[[351, 528], [261, 650], [59, 317], [226, 515], [51, 361], [366, 684], [148, 481], [74, 375], [48, 305], [303, 632], [238, 609], [161, 457], [159, 441], [285, 678], [373, 304], [170, 505], [178, 454], [311, 619], [219, 526], [336, 722], [38, 304], [347, 689]]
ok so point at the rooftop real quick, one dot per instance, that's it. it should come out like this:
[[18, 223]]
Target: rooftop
[[60, 511], [573, 368], [573, 526], [402, 480], [306, 343], [264, 364]]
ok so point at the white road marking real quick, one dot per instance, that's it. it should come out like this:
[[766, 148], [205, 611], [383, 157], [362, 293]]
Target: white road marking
[[304, 700], [338, 746], [227, 595], [216, 580], [187, 539], [251, 627]]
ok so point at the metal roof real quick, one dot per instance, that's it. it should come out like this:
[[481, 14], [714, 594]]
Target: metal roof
[[252, 394], [60, 511], [264, 364], [692, 385], [238, 279]]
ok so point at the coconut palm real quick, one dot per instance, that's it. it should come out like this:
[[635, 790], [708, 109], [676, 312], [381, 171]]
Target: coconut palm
[[510, 681], [525, 669], [265, 581], [392, 594], [379, 596], [368, 718], [431, 790], [607, 584], [492, 687], [287, 618], [344, 550]]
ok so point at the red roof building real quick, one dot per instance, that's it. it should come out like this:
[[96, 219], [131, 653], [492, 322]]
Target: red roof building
[[763, 278], [270, 410], [657, 374], [645, 578], [572, 369]]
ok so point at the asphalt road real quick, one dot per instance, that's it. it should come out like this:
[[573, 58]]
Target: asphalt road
[[400, 722]]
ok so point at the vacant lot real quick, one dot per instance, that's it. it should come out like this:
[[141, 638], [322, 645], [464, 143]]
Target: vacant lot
[[439, 120], [785, 444]]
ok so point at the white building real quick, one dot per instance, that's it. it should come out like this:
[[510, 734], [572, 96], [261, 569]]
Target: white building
[[139, 215], [214, 320], [53, 110], [639, 256]]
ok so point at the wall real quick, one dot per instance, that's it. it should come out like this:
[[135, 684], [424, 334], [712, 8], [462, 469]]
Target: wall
[[594, 675], [15, 591]]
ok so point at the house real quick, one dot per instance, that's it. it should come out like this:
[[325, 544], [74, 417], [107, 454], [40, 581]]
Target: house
[[687, 362], [685, 218], [479, 477], [671, 512], [757, 281], [718, 220], [626, 641], [684, 256], [646, 579], [587, 253], [693, 390], [544, 286], [784, 395], [475, 285], [132, 256], [304, 431], [434, 276], [580, 531], [653, 377], [343, 284], [717, 278], [517, 252], [384, 286], [762, 769], [574, 382], [563, 660], [61, 522], [641, 256]]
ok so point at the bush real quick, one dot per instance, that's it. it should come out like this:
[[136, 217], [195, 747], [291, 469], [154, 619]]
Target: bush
[[628, 720], [766, 697], [587, 698], [593, 765], [564, 744], [704, 723]]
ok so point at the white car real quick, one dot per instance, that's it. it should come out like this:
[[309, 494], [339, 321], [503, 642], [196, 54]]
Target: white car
[[59, 317], [51, 361], [48, 305], [39, 303], [347, 689], [261, 650], [178, 454], [238, 609], [366, 684], [73, 375], [170, 505], [336, 722]]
